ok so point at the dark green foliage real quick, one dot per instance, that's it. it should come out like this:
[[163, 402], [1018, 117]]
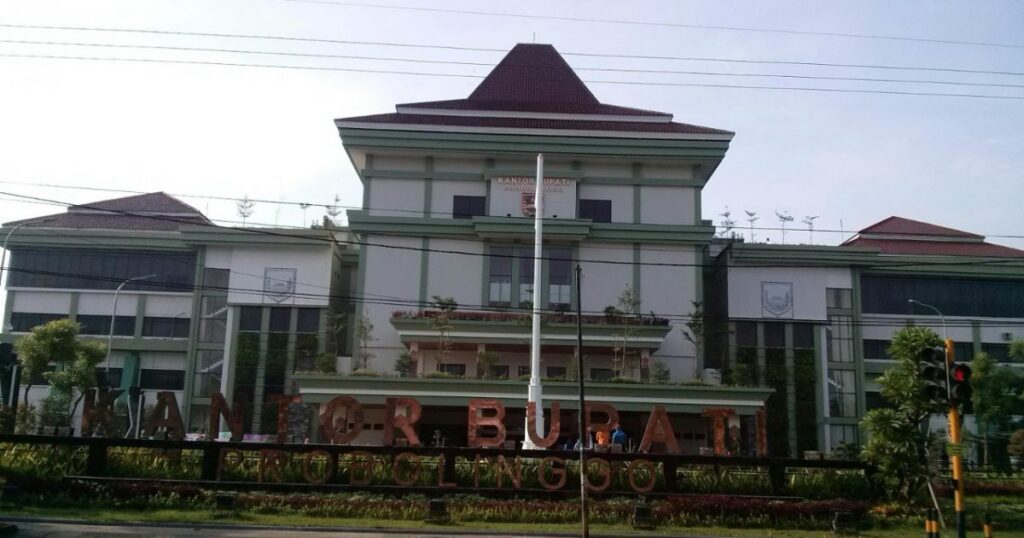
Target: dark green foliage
[[897, 442], [806, 412]]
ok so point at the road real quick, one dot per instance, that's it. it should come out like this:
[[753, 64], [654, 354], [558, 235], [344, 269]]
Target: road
[[62, 529]]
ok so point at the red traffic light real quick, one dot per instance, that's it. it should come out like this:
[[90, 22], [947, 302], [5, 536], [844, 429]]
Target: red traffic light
[[960, 373]]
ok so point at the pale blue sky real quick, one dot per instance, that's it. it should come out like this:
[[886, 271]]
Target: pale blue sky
[[229, 131]]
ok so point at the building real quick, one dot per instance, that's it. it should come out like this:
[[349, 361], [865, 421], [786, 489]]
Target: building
[[427, 291], [814, 322], [256, 297]]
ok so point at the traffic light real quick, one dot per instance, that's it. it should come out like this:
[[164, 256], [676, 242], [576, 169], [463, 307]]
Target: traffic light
[[960, 383], [931, 368]]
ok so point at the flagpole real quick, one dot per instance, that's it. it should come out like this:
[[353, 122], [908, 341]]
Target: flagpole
[[534, 393]]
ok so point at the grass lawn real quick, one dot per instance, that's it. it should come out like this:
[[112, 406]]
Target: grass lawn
[[298, 520]]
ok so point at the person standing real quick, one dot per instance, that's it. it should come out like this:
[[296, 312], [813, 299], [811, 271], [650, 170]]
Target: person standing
[[618, 436]]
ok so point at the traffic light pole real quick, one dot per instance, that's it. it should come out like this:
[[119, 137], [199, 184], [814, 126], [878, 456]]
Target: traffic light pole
[[956, 458]]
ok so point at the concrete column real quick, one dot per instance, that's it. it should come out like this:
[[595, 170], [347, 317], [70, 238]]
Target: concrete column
[[790, 389]]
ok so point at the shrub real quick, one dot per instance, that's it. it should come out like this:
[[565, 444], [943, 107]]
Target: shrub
[[326, 363]]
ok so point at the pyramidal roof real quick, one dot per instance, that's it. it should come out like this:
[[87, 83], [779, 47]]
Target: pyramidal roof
[[898, 235], [155, 211], [533, 87]]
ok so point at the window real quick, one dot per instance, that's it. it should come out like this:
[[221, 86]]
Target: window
[[560, 279], [23, 322], [600, 374], [875, 400], [161, 379], [216, 279], [209, 364], [840, 338], [213, 319], [100, 324], [775, 335], [250, 318], [166, 327], [501, 276], [842, 393], [108, 379], [998, 352], [525, 277], [280, 318], [839, 298], [952, 296], [309, 320], [746, 333], [803, 336], [467, 207], [596, 210], [555, 372], [510, 280], [876, 349], [102, 269], [452, 368], [524, 370], [499, 371], [843, 435], [963, 351]]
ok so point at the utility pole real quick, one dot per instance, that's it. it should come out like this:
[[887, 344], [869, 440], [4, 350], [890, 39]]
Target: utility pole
[[954, 437], [534, 393], [585, 530]]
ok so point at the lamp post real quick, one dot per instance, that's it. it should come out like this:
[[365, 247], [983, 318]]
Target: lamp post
[[3, 257], [113, 320], [941, 317], [534, 393]]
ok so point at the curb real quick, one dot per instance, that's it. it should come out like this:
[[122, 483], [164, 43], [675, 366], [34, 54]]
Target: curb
[[379, 530]]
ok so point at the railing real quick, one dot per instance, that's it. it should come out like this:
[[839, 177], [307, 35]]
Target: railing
[[346, 467]]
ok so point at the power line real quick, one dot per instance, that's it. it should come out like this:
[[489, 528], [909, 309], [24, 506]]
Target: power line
[[512, 311], [376, 208], [664, 24], [486, 64], [496, 50], [420, 73], [335, 241]]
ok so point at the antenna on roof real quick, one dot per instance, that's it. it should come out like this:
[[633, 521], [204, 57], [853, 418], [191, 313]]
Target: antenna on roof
[[809, 221], [783, 219], [244, 208], [727, 223], [751, 218]]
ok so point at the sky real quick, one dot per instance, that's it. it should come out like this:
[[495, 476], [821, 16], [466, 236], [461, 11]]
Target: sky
[[851, 159]]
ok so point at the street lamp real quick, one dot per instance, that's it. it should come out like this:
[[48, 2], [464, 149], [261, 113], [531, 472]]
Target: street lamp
[[3, 257], [941, 317], [113, 319]]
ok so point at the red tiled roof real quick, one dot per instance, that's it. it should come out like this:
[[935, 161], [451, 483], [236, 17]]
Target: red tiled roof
[[935, 248], [521, 106], [899, 225], [155, 211], [534, 79], [531, 123]]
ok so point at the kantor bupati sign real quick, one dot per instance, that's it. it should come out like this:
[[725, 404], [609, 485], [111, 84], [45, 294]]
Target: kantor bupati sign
[[342, 420], [514, 196]]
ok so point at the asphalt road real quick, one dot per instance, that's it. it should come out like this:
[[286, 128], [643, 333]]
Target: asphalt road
[[50, 529]]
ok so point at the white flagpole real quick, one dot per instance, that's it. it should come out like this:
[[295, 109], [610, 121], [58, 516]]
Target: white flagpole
[[534, 394]]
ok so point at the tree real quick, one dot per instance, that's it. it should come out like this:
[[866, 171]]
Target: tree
[[898, 443], [694, 331], [75, 362], [336, 324], [485, 361], [628, 303], [1017, 351], [364, 333], [997, 397], [405, 365], [441, 322]]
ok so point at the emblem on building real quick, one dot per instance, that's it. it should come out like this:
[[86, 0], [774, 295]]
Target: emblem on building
[[279, 283], [528, 203], [777, 299]]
